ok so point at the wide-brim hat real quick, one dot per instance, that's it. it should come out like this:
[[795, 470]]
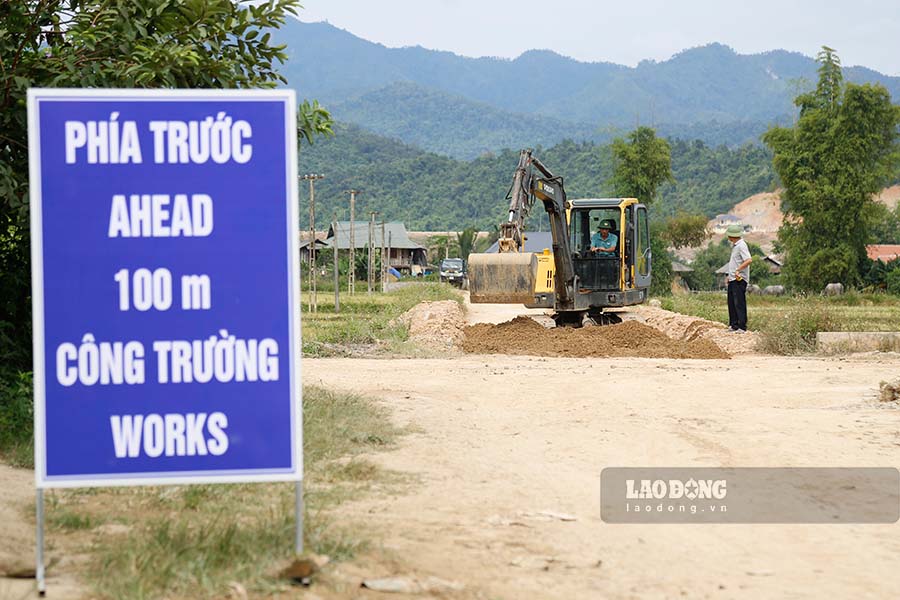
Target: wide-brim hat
[[735, 231]]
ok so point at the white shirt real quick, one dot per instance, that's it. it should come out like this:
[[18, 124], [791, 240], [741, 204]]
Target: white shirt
[[739, 253]]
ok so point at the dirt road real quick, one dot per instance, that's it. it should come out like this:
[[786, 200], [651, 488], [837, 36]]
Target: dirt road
[[502, 438], [505, 445]]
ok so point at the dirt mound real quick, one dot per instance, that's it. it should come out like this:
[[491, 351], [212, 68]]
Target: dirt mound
[[523, 335], [687, 328], [435, 325]]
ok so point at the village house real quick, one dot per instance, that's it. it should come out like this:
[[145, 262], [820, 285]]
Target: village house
[[721, 222], [406, 256], [304, 246]]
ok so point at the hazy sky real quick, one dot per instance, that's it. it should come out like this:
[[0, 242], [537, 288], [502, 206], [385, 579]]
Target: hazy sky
[[865, 32]]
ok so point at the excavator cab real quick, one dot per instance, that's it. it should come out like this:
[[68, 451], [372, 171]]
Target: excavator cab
[[596, 270], [610, 271]]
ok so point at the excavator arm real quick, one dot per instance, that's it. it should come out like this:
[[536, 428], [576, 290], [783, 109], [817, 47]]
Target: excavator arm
[[512, 231], [552, 193]]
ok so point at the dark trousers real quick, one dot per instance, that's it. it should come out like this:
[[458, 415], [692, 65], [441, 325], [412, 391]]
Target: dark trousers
[[737, 304]]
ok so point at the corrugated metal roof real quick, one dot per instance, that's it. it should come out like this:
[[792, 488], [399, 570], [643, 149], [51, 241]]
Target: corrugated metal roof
[[394, 232], [319, 244], [535, 241]]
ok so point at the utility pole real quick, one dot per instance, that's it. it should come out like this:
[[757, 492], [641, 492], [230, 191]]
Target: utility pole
[[313, 296], [334, 251], [382, 271], [351, 278], [370, 273], [389, 252]]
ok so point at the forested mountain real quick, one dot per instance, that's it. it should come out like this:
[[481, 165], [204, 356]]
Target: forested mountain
[[709, 93], [434, 192], [456, 126], [452, 125]]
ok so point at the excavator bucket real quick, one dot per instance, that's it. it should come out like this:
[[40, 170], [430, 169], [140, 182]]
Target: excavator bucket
[[502, 278]]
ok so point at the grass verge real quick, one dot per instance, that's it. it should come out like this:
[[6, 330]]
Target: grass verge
[[366, 319], [788, 324], [194, 541]]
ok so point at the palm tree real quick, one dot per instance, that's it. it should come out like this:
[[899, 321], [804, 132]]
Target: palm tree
[[466, 239]]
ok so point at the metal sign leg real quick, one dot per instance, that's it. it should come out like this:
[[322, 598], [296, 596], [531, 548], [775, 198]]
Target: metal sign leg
[[39, 571], [298, 515]]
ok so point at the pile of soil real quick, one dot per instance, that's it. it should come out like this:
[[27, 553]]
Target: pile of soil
[[524, 335], [688, 328], [435, 325]]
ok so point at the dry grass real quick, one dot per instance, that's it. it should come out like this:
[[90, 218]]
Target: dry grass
[[366, 319]]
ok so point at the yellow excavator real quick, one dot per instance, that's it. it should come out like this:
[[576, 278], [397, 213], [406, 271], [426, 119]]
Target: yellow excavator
[[574, 278]]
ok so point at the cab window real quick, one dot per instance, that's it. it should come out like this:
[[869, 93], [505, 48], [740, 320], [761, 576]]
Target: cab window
[[585, 224], [643, 242]]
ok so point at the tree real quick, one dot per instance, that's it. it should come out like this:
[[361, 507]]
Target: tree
[[661, 281], [705, 264], [883, 223], [685, 230], [641, 165], [442, 246], [116, 43], [842, 149], [892, 281], [466, 240]]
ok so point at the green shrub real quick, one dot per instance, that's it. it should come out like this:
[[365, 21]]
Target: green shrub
[[661, 276], [892, 280], [794, 332], [16, 418]]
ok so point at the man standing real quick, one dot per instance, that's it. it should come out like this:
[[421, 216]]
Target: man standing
[[604, 241], [738, 278]]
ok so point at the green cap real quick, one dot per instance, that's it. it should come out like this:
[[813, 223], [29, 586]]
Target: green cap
[[606, 224], [735, 231]]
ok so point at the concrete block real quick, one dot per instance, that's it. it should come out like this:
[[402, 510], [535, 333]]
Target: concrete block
[[858, 341]]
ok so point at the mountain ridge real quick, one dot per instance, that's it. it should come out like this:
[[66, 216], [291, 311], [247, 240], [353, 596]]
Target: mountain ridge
[[736, 95]]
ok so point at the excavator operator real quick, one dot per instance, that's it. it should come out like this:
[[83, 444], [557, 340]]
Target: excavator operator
[[603, 241]]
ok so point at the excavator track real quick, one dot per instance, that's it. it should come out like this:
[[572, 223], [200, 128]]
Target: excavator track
[[588, 318]]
